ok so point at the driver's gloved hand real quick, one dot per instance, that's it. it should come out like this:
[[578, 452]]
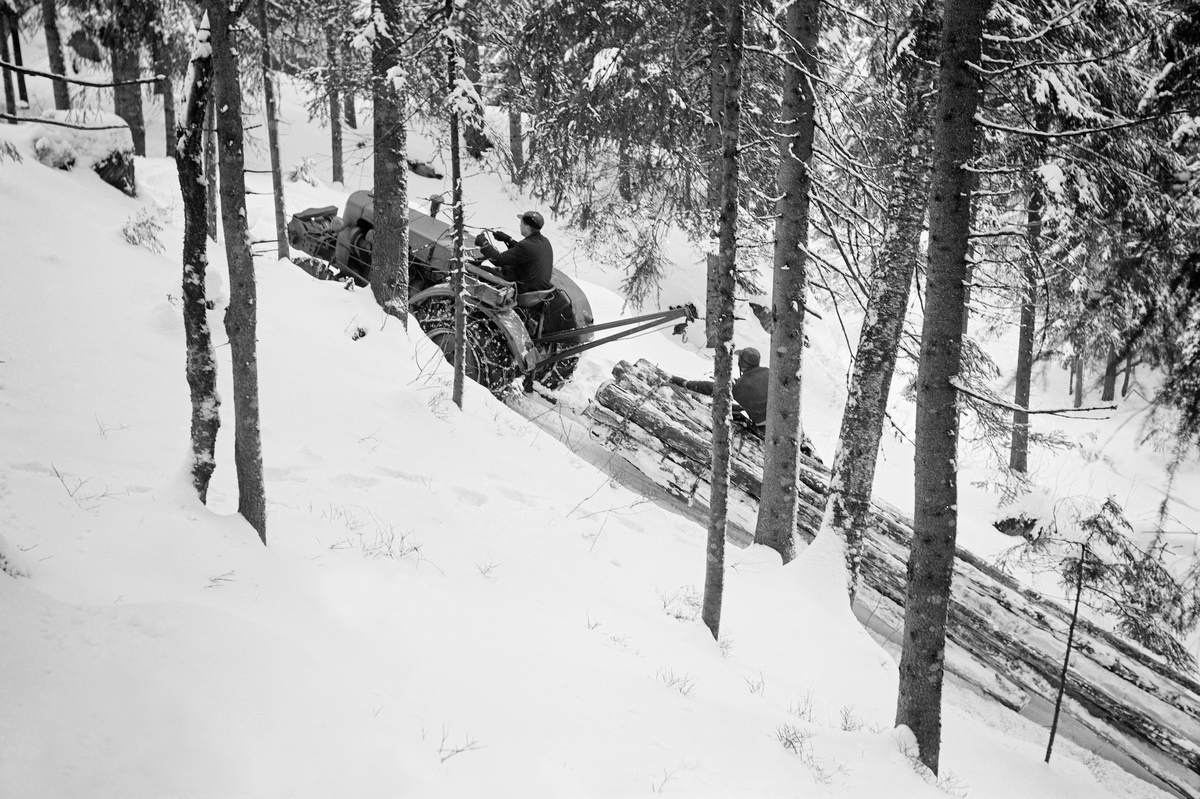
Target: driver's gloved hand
[[502, 236], [481, 239]]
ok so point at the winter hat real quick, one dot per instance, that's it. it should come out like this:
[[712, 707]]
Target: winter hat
[[533, 219], [748, 358]]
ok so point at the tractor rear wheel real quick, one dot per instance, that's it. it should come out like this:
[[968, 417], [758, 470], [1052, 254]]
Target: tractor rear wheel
[[556, 374], [488, 360]]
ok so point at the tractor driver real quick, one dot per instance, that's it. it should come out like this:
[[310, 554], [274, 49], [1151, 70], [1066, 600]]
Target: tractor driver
[[528, 262]]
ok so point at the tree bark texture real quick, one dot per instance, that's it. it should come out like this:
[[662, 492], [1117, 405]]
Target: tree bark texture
[[127, 100], [624, 169], [166, 88], [1018, 456], [211, 182], [271, 108], [722, 274], [335, 104], [474, 137], [718, 37], [516, 135], [1078, 376], [1111, 367], [18, 59], [789, 293], [1006, 640], [853, 471], [349, 114], [54, 51], [10, 94], [201, 361], [458, 272], [931, 563], [389, 257], [516, 146], [241, 316]]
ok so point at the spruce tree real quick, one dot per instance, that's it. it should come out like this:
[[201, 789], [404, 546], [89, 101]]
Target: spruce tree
[[720, 324], [935, 519], [789, 297], [389, 263], [241, 319], [909, 76]]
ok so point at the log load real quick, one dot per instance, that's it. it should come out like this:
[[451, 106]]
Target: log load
[[1006, 640]]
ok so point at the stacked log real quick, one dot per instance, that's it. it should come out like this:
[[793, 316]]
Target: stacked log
[[1005, 640]]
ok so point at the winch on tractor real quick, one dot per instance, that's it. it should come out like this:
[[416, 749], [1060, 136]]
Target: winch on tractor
[[507, 333]]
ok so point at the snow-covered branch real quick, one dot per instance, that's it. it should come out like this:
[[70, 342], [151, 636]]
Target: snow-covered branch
[[999, 403], [1061, 134], [37, 73]]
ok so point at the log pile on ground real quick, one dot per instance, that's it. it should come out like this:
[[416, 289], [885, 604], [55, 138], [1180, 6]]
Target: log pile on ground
[[1006, 641]]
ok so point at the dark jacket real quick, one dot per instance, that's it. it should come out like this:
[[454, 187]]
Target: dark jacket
[[749, 392], [528, 263]]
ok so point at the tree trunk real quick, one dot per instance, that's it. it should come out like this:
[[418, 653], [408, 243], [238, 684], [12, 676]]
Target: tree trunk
[[969, 280], [1018, 457], [457, 274], [201, 361], [10, 94], [789, 294], [271, 107], [931, 563], [516, 136], [240, 316], [1078, 377], [211, 183], [624, 169], [1128, 370], [722, 273], [516, 146], [853, 472], [127, 100], [716, 101], [54, 50], [1111, 367], [389, 256], [349, 114], [332, 84], [166, 88], [474, 138], [19, 60]]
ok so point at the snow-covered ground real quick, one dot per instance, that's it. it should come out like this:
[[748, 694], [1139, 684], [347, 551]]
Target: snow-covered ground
[[450, 603]]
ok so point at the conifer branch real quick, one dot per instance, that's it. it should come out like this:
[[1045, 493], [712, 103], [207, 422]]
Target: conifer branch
[[1061, 134], [37, 73], [999, 403]]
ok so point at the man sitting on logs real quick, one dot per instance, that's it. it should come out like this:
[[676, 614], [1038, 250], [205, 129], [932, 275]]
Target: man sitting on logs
[[749, 397], [749, 390]]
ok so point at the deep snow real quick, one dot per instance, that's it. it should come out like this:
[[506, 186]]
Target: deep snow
[[451, 603]]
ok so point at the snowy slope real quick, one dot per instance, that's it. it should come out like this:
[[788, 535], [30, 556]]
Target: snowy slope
[[450, 603]]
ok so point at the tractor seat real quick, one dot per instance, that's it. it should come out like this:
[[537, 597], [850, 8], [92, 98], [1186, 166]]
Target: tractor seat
[[532, 299], [314, 213]]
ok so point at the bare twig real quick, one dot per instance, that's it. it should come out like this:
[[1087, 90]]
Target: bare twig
[[958, 384], [77, 81]]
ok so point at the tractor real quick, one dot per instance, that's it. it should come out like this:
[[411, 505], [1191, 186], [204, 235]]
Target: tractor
[[505, 331]]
